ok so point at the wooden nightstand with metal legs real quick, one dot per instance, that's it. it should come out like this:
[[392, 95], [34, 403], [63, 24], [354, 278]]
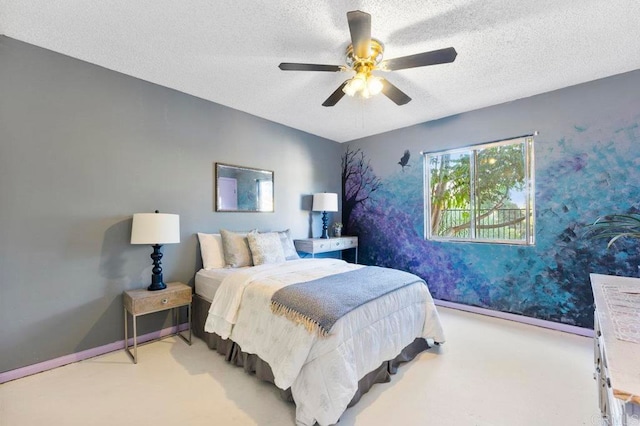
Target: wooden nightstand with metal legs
[[142, 302]]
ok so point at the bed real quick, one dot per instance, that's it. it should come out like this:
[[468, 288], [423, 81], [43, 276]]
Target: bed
[[321, 371]]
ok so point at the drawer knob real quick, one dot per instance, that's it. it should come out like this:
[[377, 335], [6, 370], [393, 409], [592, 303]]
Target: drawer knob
[[165, 301], [337, 244]]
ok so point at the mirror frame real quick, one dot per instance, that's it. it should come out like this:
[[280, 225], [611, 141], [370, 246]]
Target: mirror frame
[[250, 169]]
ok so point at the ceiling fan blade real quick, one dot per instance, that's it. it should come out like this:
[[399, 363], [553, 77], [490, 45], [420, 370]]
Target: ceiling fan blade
[[442, 56], [360, 29], [393, 93], [335, 96], [292, 66]]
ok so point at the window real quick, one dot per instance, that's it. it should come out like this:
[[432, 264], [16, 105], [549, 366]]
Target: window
[[482, 193], [264, 195]]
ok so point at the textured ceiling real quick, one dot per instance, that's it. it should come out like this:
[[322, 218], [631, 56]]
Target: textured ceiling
[[228, 51]]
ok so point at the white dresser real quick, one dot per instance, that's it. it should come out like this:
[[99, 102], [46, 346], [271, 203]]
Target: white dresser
[[325, 245], [617, 348]]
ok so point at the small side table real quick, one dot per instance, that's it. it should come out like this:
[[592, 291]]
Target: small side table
[[142, 302]]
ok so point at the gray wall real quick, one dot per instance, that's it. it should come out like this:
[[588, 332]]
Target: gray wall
[[82, 148]]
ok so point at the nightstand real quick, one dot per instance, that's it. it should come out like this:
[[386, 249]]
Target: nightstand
[[142, 302], [324, 245]]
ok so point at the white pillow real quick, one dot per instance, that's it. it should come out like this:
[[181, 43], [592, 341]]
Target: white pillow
[[211, 251], [265, 248], [236, 248], [289, 248]]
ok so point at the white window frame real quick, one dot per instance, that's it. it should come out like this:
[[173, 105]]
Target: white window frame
[[472, 150]]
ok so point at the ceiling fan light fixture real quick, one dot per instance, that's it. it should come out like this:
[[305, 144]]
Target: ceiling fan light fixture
[[355, 85], [364, 84], [348, 89], [374, 85], [359, 82]]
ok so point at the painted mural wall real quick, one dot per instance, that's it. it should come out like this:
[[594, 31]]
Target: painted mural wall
[[587, 163]]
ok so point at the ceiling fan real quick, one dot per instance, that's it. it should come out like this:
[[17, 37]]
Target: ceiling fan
[[363, 56]]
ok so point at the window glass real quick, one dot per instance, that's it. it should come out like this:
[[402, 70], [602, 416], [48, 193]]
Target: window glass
[[482, 193]]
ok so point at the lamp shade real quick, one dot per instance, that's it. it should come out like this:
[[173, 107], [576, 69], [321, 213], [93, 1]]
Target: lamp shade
[[325, 202], [155, 228]]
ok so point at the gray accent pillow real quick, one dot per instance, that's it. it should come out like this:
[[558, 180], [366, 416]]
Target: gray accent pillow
[[265, 248], [289, 248], [236, 248]]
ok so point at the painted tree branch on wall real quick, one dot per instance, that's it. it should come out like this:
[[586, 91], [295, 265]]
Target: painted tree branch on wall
[[358, 183]]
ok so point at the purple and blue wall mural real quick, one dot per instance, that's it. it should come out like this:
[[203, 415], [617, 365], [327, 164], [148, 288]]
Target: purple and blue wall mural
[[587, 163]]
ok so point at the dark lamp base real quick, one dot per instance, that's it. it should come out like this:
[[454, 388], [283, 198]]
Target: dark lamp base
[[157, 286], [325, 225], [157, 282]]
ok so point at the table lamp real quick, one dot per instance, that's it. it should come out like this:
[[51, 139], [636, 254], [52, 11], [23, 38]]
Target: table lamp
[[155, 229], [325, 202]]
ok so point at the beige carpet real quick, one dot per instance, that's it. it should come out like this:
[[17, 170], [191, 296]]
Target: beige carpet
[[491, 372]]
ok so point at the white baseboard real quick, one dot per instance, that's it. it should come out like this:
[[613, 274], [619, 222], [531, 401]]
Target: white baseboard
[[89, 353], [119, 345], [518, 318]]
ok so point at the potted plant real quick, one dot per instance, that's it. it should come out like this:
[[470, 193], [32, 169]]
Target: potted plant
[[337, 229], [616, 226]]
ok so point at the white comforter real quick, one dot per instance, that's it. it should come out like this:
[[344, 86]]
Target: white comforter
[[323, 373]]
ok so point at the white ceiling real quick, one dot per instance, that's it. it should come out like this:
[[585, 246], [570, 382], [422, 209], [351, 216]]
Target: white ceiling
[[228, 51]]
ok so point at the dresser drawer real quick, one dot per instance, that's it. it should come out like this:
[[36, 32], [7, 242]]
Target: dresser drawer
[[616, 359]]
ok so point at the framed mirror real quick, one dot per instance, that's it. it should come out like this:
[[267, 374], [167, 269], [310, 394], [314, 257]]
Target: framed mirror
[[243, 189]]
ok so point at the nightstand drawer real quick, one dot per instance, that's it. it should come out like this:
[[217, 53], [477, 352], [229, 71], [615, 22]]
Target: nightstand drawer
[[321, 246], [314, 245], [325, 245], [337, 244], [344, 243], [144, 301], [161, 302]]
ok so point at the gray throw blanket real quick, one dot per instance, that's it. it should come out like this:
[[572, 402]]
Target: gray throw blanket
[[318, 304]]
